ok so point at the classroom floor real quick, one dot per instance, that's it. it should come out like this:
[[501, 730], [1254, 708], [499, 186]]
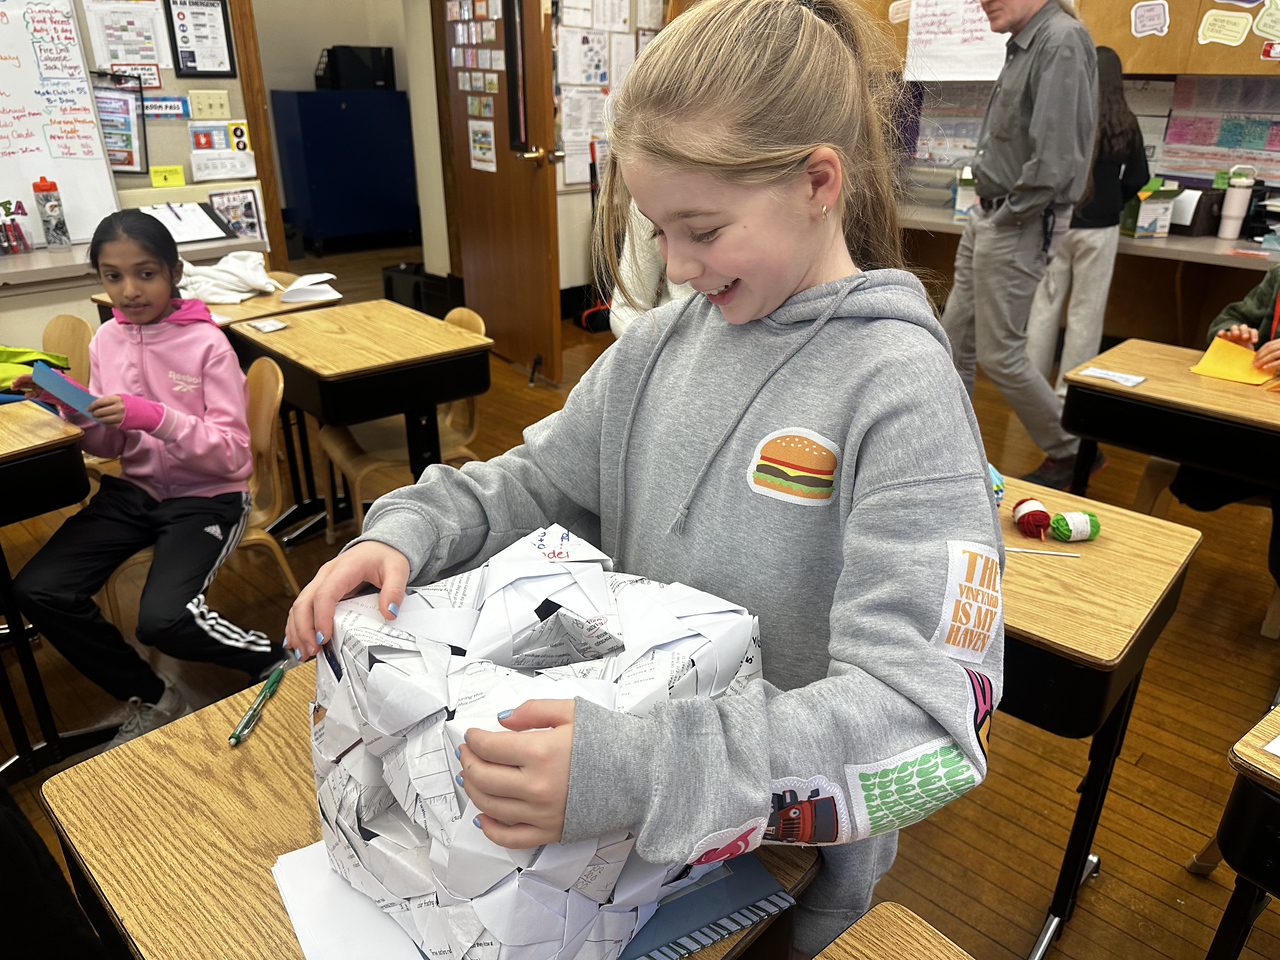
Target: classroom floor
[[982, 869]]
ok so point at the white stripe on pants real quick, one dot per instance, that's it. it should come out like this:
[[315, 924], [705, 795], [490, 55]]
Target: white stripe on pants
[[1080, 279]]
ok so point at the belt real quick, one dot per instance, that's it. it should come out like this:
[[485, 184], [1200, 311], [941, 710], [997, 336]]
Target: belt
[[991, 203]]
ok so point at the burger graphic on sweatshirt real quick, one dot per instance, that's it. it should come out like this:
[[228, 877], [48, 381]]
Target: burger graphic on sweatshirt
[[795, 465]]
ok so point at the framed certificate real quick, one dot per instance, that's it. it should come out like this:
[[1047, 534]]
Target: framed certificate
[[200, 31]]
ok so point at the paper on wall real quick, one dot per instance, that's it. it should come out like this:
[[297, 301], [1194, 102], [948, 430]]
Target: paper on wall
[[581, 113], [622, 54], [952, 40], [612, 15], [576, 13], [223, 165], [480, 138], [649, 15], [134, 32], [583, 56]]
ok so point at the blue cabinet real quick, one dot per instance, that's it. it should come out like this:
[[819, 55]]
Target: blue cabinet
[[346, 161]]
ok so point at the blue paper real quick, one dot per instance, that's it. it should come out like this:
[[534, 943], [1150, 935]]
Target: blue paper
[[73, 396]]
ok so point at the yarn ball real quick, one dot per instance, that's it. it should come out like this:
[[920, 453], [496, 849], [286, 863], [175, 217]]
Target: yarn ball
[[1031, 518], [1077, 525], [997, 484]]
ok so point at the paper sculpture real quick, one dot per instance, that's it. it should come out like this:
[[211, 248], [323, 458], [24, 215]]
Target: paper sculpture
[[545, 618]]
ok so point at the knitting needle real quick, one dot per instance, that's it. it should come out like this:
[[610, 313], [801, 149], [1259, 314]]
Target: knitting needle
[[1051, 553]]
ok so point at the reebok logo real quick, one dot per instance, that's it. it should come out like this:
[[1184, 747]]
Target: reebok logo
[[214, 530], [183, 383]]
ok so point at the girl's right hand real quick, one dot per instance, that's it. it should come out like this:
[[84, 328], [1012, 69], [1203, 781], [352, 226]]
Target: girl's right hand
[[1240, 333], [311, 617]]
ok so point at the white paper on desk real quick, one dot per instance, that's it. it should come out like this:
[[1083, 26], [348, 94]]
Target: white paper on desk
[[1184, 207], [1124, 379], [331, 919], [310, 288], [1273, 747], [187, 222]]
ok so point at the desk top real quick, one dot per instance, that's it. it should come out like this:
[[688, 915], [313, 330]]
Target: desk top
[[890, 930], [1210, 250], [1250, 759], [27, 428], [1071, 606], [351, 339], [178, 832], [1170, 383], [255, 308]]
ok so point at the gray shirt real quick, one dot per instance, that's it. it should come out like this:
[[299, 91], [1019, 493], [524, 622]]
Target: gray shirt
[[1036, 142]]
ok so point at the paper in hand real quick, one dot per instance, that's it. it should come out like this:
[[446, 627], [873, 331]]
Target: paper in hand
[[1225, 360], [73, 395]]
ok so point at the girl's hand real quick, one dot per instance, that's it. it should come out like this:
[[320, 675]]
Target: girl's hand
[[108, 410], [1240, 333], [1268, 356], [520, 780], [311, 617], [27, 385]]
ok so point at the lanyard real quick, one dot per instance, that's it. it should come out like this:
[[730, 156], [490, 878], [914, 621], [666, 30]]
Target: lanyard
[[1275, 318]]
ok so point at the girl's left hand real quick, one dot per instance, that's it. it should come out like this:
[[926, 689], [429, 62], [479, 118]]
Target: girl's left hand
[[108, 410], [1268, 356], [520, 780]]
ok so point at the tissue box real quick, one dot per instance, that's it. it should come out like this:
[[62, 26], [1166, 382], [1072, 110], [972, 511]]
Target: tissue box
[[546, 618], [1147, 215]]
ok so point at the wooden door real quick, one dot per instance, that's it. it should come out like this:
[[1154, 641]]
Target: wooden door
[[505, 216]]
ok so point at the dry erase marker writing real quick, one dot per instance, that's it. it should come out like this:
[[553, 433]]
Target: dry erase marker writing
[[255, 709]]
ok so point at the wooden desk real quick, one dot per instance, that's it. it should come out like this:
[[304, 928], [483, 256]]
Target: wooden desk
[[1077, 635], [255, 308], [170, 838], [1230, 428], [889, 931], [41, 469], [362, 361]]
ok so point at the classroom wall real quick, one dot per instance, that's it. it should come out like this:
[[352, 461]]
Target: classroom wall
[[425, 116]]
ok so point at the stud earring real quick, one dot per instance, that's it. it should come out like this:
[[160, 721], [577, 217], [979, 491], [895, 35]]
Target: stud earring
[[824, 211]]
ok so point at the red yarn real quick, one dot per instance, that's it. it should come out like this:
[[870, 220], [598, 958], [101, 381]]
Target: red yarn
[[1032, 519]]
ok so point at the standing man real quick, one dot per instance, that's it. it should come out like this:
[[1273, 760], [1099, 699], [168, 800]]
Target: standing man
[[1032, 165]]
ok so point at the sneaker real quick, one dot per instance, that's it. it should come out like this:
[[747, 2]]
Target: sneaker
[[1058, 473], [142, 717]]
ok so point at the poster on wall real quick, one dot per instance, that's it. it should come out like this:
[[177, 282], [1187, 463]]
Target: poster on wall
[[241, 209], [132, 32], [200, 31], [483, 153], [118, 98]]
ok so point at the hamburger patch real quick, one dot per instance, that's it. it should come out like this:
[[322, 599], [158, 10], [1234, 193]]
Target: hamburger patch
[[796, 465]]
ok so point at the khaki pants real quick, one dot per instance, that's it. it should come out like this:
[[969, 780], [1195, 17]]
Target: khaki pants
[[1079, 278], [998, 267]]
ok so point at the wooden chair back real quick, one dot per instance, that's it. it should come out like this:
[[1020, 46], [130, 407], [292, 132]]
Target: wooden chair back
[[266, 389], [70, 335], [461, 418]]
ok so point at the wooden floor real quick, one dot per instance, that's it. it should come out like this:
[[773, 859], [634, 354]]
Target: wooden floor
[[982, 869]]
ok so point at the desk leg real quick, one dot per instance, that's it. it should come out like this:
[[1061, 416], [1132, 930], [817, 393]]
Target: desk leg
[[306, 505], [1078, 864], [1247, 901], [99, 914], [422, 435], [1084, 461], [30, 673]]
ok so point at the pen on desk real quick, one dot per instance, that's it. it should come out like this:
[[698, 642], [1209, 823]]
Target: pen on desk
[[255, 709], [172, 210]]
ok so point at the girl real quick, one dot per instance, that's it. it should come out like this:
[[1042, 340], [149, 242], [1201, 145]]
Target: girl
[[793, 437], [171, 406], [1083, 266]]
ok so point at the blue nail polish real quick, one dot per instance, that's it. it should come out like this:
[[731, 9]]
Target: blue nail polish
[[459, 779], [319, 637], [504, 714], [457, 752], [476, 821], [297, 654], [284, 642], [394, 608]]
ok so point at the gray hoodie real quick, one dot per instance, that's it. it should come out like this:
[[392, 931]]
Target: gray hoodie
[[865, 539]]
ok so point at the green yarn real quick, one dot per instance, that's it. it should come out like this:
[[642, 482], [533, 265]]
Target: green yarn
[[1060, 526]]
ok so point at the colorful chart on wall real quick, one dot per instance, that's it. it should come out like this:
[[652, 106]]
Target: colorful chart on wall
[[52, 128]]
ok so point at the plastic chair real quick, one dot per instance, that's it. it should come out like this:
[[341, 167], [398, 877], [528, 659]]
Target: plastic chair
[[1154, 498], [266, 388], [361, 450]]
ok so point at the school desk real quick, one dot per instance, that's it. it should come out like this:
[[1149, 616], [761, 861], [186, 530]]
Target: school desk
[[362, 361], [41, 469], [889, 931], [170, 838], [1226, 427], [255, 308], [1249, 836], [1077, 635]]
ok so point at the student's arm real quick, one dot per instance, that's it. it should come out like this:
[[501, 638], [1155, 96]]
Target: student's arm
[[1061, 129], [1136, 173], [1254, 311], [897, 726], [99, 439]]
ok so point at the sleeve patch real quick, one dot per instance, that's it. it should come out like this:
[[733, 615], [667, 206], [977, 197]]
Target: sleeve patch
[[972, 610], [808, 811], [897, 792], [727, 844]]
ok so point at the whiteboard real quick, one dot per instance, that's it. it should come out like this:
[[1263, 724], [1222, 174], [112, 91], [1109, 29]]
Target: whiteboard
[[48, 125], [952, 40]]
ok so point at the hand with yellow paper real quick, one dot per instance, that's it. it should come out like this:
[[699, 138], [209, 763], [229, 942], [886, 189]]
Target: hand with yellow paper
[[1240, 333], [1227, 360]]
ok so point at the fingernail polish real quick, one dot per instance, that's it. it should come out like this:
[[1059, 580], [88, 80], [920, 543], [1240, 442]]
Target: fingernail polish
[[476, 821], [459, 779], [319, 637], [297, 654], [457, 752], [395, 609], [504, 714], [284, 642]]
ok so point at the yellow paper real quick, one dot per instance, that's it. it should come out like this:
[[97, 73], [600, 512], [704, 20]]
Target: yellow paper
[[168, 176], [1230, 361], [1225, 26]]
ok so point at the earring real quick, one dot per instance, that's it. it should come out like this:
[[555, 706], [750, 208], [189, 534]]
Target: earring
[[824, 211]]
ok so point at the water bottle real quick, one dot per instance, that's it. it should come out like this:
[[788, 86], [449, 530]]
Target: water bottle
[[49, 204], [1236, 203]]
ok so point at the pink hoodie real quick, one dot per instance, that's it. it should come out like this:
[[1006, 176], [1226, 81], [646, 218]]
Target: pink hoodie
[[201, 446]]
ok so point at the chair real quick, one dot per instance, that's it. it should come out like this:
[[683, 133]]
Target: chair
[[363, 449], [1154, 498], [69, 335], [266, 387]]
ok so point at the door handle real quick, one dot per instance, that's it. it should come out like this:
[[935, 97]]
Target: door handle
[[538, 154]]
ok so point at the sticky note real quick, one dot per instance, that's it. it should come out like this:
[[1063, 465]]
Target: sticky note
[[1225, 360], [1224, 26], [168, 176]]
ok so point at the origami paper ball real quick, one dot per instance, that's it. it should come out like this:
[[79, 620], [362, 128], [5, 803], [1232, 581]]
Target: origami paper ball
[[545, 618]]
